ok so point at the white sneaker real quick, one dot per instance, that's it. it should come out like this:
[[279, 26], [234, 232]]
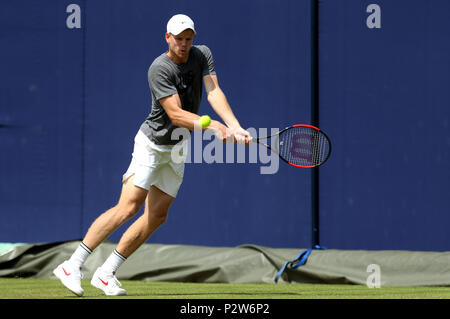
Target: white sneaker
[[70, 277], [107, 282]]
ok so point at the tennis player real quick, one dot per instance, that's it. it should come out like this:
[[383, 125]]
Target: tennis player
[[176, 81]]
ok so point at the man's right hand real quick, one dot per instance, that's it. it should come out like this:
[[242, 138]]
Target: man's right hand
[[229, 135]]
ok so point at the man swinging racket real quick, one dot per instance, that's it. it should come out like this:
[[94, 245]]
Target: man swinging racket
[[176, 81]]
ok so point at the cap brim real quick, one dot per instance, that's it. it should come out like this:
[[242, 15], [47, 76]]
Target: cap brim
[[177, 32]]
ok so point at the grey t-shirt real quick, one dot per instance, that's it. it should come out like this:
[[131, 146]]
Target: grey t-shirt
[[166, 78]]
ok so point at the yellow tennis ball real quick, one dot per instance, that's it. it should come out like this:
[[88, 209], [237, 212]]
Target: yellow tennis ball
[[204, 121]]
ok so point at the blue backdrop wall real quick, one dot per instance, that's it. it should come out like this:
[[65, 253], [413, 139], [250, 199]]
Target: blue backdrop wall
[[384, 98], [72, 97]]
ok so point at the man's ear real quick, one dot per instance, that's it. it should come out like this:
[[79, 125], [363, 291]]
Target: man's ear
[[167, 36]]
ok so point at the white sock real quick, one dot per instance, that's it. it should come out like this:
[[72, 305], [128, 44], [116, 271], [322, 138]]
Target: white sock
[[79, 256], [113, 262]]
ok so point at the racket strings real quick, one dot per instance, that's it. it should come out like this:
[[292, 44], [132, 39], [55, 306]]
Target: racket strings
[[304, 146]]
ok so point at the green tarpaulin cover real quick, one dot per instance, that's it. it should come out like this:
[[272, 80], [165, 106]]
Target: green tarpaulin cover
[[242, 264]]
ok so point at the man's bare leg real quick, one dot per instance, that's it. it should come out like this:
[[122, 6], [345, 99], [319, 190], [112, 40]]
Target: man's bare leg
[[156, 209], [131, 200]]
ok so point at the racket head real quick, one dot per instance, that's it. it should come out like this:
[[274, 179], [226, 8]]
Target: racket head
[[304, 146]]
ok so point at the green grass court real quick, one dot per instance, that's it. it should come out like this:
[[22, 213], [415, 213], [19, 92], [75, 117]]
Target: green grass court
[[30, 288]]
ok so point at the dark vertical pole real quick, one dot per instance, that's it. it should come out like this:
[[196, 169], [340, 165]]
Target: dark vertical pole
[[83, 112], [315, 116]]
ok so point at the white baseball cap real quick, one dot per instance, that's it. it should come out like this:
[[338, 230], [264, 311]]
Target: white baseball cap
[[178, 23]]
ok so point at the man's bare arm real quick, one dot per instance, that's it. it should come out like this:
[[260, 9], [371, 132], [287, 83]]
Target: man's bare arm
[[220, 104], [186, 119]]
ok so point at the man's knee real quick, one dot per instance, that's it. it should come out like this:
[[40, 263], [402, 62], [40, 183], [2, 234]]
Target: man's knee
[[127, 211], [162, 218], [158, 215], [131, 200]]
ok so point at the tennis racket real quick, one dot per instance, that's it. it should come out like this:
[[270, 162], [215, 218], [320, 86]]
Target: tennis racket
[[299, 145]]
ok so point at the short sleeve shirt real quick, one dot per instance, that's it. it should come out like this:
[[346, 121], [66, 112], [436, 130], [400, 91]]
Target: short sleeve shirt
[[166, 78]]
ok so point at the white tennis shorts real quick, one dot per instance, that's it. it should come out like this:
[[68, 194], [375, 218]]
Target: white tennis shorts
[[152, 165]]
